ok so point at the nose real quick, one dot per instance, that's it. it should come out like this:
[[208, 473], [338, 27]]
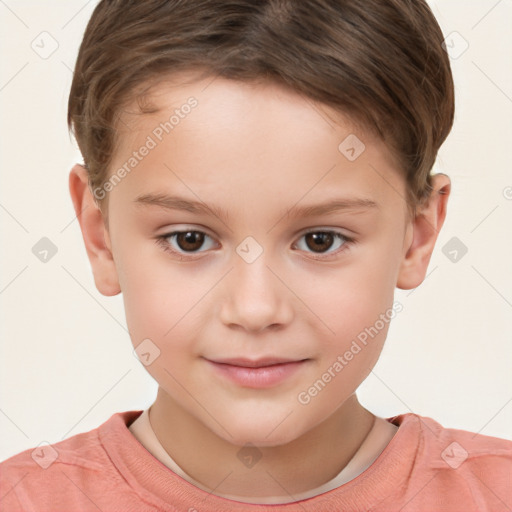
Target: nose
[[255, 297]]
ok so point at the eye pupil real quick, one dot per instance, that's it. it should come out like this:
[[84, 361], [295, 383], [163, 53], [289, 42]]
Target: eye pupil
[[187, 240], [320, 239]]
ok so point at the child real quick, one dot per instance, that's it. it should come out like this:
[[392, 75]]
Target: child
[[225, 143]]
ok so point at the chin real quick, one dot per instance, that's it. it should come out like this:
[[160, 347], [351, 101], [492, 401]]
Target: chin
[[267, 433]]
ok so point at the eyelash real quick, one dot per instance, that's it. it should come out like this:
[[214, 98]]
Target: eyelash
[[162, 241]]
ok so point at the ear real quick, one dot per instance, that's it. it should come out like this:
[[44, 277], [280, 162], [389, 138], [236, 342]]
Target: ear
[[421, 234], [94, 232]]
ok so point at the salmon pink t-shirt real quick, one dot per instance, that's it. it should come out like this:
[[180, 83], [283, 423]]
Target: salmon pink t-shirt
[[425, 467]]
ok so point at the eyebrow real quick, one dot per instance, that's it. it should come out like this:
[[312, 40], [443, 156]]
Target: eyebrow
[[356, 205]]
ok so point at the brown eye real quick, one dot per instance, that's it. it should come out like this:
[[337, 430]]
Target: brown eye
[[319, 241], [190, 240], [181, 243], [185, 242]]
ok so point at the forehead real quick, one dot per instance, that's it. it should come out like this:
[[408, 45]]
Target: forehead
[[232, 96], [256, 138]]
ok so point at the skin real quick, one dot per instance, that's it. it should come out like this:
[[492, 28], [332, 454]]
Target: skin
[[256, 150]]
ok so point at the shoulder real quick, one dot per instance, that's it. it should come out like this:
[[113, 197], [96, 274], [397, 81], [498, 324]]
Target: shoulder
[[456, 446], [466, 468], [68, 468]]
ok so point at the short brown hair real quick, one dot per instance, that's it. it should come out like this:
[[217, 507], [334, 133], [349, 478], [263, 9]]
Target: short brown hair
[[380, 62]]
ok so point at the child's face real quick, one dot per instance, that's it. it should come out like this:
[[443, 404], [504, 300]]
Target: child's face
[[256, 153]]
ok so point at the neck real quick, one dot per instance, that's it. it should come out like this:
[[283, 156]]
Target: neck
[[298, 466]]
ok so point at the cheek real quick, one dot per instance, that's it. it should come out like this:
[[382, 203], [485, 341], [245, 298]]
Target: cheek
[[349, 299], [159, 296], [355, 307]]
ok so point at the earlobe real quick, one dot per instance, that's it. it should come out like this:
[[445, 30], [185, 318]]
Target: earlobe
[[94, 232], [423, 233]]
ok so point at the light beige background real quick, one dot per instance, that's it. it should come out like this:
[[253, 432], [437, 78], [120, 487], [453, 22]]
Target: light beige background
[[66, 360]]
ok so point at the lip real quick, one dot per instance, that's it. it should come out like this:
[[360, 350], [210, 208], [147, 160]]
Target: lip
[[256, 373]]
